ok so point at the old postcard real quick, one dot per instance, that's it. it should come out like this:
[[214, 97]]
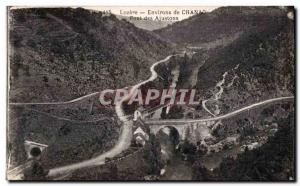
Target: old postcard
[[149, 93]]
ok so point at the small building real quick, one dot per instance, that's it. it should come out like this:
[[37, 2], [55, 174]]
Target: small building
[[141, 132]]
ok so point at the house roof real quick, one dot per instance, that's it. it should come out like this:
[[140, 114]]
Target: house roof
[[139, 131]]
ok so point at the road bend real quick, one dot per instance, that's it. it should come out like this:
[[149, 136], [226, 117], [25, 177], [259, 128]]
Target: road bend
[[124, 140]]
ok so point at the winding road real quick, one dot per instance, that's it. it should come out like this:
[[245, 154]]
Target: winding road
[[124, 140], [181, 121], [125, 137]]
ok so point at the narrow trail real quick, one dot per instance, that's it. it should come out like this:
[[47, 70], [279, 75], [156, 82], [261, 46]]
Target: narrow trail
[[217, 96], [67, 119], [220, 86], [57, 103]]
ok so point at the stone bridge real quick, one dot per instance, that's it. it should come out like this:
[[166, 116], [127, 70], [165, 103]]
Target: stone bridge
[[196, 128], [185, 130]]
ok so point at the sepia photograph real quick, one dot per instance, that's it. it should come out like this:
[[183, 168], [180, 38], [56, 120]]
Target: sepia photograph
[[151, 93]]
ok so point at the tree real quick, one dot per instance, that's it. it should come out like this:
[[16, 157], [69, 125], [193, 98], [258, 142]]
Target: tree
[[35, 172]]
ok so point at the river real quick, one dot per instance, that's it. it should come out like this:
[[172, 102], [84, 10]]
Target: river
[[175, 168]]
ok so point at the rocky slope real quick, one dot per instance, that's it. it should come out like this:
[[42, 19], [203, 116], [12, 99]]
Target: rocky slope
[[243, 56], [259, 65], [59, 54]]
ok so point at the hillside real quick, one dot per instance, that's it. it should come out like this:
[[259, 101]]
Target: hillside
[[220, 23], [239, 60], [146, 24], [257, 64], [63, 53], [59, 54]]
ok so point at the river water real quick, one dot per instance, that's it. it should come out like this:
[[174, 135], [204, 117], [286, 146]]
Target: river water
[[176, 168]]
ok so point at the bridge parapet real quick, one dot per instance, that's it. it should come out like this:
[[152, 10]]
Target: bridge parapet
[[182, 128]]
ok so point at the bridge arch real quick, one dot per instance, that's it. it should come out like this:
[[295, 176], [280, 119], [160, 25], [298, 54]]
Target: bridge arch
[[172, 132], [180, 129]]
